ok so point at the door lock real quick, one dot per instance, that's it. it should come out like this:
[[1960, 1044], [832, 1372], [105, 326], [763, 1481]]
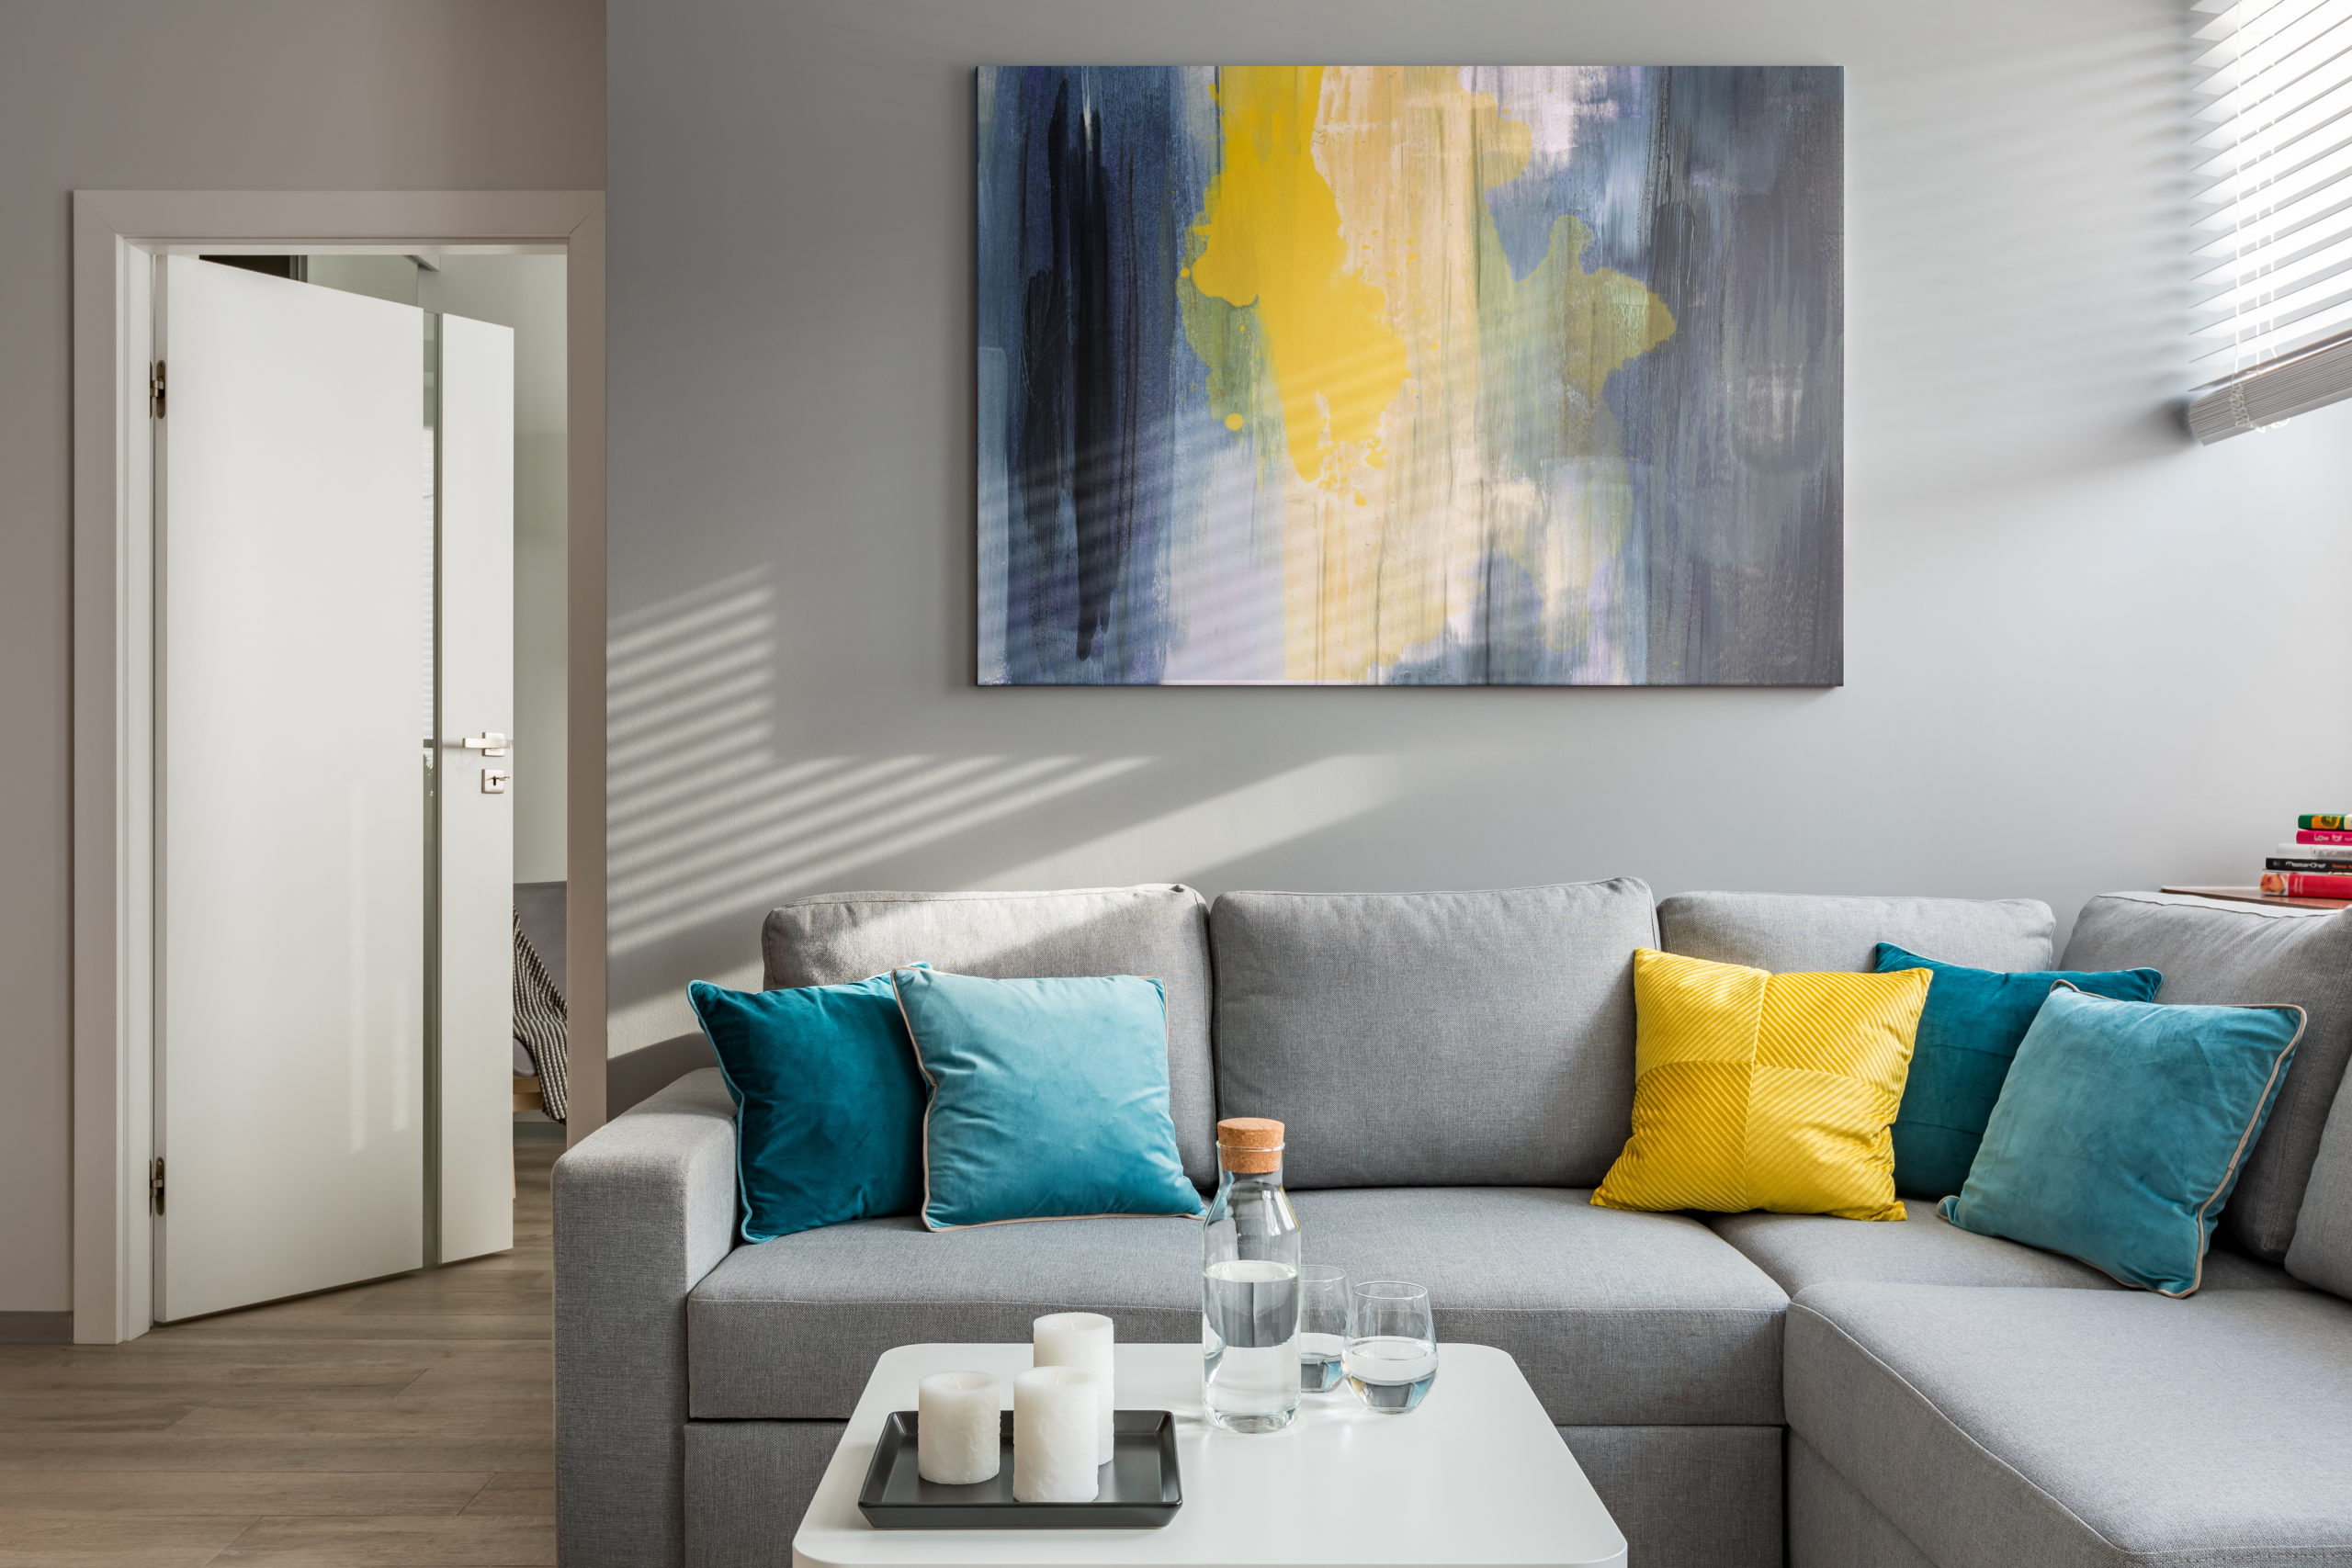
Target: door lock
[[494, 780], [489, 743]]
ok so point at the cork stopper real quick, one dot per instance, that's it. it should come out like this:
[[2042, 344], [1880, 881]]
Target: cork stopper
[[1250, 1146]]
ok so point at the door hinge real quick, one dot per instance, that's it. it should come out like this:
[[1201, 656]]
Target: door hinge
[[156, 390], [155, 1184]]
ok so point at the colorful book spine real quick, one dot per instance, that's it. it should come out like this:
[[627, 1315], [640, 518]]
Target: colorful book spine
[[2305, 864], [2322, 836], [2307, 885], [2324, 819]]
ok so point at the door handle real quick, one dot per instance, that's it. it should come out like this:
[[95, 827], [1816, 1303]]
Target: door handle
[[489, 743]]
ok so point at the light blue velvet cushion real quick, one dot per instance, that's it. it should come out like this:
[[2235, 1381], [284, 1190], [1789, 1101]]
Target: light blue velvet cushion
[[1048, 1098], [2121, 1129], [1967, 1034], [828, 1103]]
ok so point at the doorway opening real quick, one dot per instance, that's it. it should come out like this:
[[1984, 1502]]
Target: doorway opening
[[358, 476], [121, 678]]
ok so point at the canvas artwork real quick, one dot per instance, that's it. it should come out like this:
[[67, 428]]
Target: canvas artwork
[[1437, 376]]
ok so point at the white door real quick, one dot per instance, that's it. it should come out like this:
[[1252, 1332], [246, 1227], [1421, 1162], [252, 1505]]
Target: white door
[[294, 594], [476, 794]]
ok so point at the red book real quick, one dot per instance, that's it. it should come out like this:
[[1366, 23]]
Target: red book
[[2308, 884], [2322, 836]]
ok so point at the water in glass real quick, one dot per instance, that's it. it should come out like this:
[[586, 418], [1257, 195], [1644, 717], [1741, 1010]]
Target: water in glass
[[1322, 1327], [1390, 1374], [1391, 1356]]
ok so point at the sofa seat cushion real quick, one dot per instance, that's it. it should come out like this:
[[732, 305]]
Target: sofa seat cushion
[[1800, 1251], [2006, 1428], [788, 1330], [1617, 1319]]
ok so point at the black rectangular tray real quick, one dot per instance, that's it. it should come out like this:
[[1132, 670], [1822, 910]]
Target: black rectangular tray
[[1140, 1487]]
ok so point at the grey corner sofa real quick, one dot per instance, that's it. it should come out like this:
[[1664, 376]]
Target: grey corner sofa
[[1456, 1072]]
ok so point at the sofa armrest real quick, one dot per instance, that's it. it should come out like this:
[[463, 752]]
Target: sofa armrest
[[644, 1207]]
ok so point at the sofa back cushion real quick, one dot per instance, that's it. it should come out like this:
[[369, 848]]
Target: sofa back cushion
[[1433, 1038], [2321, 1253], [2216, 951], [1783, 931], [1159, 932]]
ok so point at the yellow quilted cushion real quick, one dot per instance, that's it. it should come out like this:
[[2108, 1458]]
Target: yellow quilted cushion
[[1765, 1091]]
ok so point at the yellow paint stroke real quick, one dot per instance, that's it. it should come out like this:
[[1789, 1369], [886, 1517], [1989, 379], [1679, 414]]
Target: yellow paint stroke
[[1269, 238], [1500, 445], [1438, 415]]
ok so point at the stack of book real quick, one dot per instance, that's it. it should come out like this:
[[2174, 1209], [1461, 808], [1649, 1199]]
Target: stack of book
[[2317, 863]]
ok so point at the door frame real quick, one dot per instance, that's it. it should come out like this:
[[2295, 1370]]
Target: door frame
[[115, 234]]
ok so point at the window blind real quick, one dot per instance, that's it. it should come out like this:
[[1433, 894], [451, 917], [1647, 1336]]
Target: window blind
[[2273, 186]]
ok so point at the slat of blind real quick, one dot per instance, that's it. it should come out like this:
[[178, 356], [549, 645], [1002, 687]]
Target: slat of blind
[[2288, 30], [2311, 219], [2266, 119], [2273, 243], [2229, 15], [2274, 280], [2263, 42], [2269, 336], [2258, 138], [2274, 226], [2265, 206], [2236, 95]]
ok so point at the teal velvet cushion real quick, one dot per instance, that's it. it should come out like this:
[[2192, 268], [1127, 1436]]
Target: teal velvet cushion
[[1968, 1032], [2121, 1129], [828, 1103], [1048, 1098]]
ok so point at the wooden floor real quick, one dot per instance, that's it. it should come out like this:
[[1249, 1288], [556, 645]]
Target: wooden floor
[[403, 1423]]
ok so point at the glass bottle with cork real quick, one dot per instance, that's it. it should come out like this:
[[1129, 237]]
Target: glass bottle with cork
[[1250, 1283]]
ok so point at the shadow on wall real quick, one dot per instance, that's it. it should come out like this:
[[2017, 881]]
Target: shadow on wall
[[712, 821]]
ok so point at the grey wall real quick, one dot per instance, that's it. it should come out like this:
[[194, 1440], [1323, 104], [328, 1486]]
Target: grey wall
[[299, 94], [2081, 654]]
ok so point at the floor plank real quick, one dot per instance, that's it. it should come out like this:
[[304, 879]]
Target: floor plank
[[249, 1494], [359, 1453], [401, 1421], [523, 1414], [48, 1538], [470, 1540], [418, 1320], [123, 1413], [528, 1494]]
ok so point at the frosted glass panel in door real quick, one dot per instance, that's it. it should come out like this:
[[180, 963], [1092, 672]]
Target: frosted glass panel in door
[[294, 562]]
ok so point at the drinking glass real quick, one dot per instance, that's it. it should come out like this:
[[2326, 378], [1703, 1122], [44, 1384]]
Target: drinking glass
[[1322, 1325], [1391, 1354]]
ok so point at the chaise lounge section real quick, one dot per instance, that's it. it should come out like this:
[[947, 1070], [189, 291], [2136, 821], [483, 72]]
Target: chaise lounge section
[[1455, 1071]]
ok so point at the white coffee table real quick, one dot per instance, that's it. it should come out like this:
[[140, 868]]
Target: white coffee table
[[1477, 1478]]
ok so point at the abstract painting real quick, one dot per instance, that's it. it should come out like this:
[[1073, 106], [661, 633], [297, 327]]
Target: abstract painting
[[1412, 375]]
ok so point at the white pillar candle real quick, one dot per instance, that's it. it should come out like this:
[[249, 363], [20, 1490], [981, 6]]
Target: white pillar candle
[[1054, 1418], [1082, 1339], [959, 1435]]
